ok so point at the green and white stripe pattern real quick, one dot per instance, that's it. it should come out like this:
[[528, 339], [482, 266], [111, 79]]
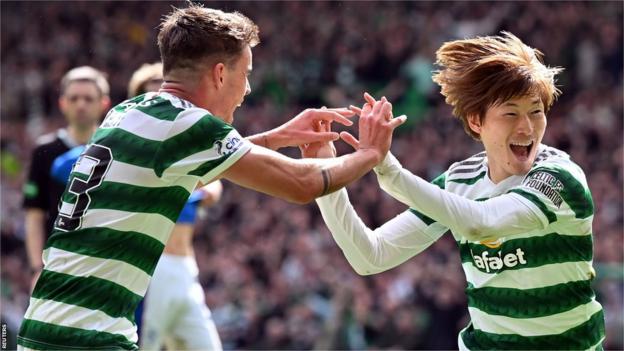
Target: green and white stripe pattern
[[532, 290], [96, 273]]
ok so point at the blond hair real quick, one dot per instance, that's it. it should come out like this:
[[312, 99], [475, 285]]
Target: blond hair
[[486, 71], [146, 73]]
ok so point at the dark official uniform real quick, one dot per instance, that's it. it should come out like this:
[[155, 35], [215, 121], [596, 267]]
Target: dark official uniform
[[41, 190]]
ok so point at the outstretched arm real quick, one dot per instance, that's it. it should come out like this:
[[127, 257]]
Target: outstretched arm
[[500, 216], [298, 181], [503, 215], [373, 251], [370, 251], [301, 129], [301, 181]]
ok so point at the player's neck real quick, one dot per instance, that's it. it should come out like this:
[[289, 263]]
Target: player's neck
[[80, 135], [182, 91]]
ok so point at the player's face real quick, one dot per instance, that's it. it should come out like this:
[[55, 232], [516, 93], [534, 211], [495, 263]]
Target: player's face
[[237, 84], [511, 133], [82, 104]]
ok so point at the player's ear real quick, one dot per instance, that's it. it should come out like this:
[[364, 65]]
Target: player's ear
[[62, 103], [105, 102], [474, 123], [218, 75]]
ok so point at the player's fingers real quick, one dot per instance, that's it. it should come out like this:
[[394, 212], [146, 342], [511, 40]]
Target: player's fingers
[[369, 99], [355, 109], [344, 111], [350, 139], [341, 110], [377, 107], [386, 109], [332, 116], [322, 137], [320, 126], [397, 121], [326, 126]]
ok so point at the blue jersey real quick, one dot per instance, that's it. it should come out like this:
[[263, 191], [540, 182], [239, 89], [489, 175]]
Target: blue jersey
[[63, 164], [189, 212]]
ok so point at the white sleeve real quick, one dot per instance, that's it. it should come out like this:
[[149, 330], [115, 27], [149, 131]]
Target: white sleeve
[[373, 251], [500, 216]]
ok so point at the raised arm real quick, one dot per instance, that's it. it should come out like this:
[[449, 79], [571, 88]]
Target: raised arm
[[301, 129], [301, 181], [370, 251], [298, 181], [373, 251], [503, 215]]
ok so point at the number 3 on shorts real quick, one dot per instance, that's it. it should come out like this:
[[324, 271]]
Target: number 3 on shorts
[[87, 174]]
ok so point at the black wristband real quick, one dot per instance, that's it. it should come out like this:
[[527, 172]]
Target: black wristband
[[326, 181]]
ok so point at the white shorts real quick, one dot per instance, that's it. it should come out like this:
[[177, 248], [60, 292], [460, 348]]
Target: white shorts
[[174, 311]]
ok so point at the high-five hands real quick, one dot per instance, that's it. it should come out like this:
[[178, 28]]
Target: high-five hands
[[304, 128], [376, 125], [375, 130]]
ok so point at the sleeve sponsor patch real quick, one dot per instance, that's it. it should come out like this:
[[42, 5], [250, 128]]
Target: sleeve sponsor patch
[[229, 145], [547, 184]]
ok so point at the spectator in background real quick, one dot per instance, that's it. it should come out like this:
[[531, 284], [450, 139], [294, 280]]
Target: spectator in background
[[83, 100]]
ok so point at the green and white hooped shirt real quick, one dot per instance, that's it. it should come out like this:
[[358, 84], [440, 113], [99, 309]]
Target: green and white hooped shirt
[[122, 200], [525, 245]]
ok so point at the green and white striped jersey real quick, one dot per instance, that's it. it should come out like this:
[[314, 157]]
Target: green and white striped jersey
[[525, 244], [530, 290], [122, 200]]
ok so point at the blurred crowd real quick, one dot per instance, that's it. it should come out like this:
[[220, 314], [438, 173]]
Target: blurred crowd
[[274, 278]]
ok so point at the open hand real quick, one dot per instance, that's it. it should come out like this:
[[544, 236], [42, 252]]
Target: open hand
[[376, 126], [305, 127]]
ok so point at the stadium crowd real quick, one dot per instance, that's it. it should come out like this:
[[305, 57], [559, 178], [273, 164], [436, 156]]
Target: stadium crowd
[[273, 276]]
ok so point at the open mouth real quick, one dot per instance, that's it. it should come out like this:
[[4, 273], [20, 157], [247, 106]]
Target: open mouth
[[522, 150]]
